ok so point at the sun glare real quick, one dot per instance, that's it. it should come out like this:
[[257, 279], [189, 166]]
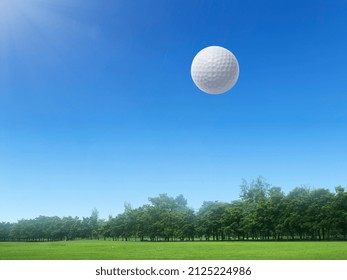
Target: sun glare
[[8, 9], [37, 35], [11, 15], [27, 27], [21, 19]]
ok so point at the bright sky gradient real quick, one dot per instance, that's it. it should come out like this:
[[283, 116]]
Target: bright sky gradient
[[97, 106]]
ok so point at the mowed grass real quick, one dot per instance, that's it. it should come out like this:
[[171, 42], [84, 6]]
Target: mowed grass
[[117, 250]]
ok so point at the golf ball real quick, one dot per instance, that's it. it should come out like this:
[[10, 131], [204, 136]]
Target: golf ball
[[215, 70]]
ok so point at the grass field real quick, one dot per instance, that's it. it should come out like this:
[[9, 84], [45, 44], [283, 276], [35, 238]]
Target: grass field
[[110, 250]]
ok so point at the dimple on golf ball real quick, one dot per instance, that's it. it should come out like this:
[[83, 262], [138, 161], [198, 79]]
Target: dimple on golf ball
[[215, 70]]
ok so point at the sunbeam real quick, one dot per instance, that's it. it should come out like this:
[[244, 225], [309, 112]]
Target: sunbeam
[[36, 36]]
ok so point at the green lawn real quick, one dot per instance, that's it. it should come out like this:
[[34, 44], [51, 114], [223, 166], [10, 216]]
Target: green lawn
[[112, 250]]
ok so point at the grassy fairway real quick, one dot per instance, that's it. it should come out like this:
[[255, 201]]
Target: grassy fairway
[[110, 250]]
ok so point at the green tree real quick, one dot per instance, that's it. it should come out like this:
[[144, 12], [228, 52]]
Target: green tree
[[5, 231], [339, 211], [296, 206]]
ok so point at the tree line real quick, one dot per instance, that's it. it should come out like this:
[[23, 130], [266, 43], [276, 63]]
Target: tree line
[[263, 212]]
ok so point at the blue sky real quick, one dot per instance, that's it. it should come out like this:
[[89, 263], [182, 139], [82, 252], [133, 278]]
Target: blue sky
[[97, 106]]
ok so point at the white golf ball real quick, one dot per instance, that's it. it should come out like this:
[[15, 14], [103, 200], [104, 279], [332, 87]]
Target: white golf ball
[[215, 70]]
